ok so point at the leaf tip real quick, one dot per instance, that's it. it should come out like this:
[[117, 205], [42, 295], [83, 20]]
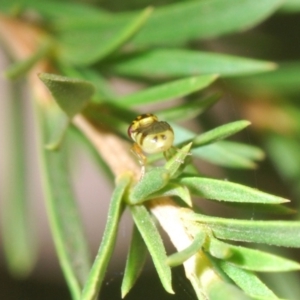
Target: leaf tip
[[148, 10], [272, 66], [247, 123], [42, 76], [215, 76], [170, 290], [124, 292]]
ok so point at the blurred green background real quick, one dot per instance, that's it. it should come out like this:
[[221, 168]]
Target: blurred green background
[[271, 101]]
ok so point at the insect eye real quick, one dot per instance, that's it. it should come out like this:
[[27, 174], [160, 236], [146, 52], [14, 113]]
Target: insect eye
[[155, 138]]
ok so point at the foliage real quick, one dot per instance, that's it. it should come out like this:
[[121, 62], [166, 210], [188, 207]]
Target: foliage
[[77, 49]]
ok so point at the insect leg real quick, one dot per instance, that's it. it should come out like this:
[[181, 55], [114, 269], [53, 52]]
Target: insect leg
[[141, 157]]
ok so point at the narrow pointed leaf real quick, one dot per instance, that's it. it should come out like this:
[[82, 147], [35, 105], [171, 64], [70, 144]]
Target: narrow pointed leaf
[[203, 19], [248, 282], [284, 153], [228, 191], [20, 68], [60, 123], [179, 258], [57, 12], [261, 209], [280, 233], [283, 80], [152, 239], [230, 154], [291, 6], [79, 44], [135, 261], [218, 249], [223, 153], [167, 91], [188, 110], [56, 143], [164, 63], [177, 161], [218, 288], [216, 154], [65, 223], [98, 271], [103, 90], [72, 95], [219, 133], [154, 180], [254, 260], [18, 229], [244, 150]]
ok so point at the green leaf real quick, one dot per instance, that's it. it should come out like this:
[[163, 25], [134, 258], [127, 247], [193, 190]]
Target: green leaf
[[243, 150], [164, 63], [259, 209], [280, 233], [152, 239], [287, 286], [188, 110], [18, 226], [135, 261], [248, 282], [219, 153], [20, 68], [290, 6], [180, 257], [103, 90], [282, 81], [219, 133], [72, 95], [284, 153], [184, 21], [178, 160], [251, 259], [154, 180], [223, 153], [60, 125], [79, 43], [227, 191], [218, 288], [218, 249], [65, 223], [167, 91], [98, 271], [173, 189], [56, 11]]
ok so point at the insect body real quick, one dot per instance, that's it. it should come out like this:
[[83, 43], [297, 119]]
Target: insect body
[[150, 136]]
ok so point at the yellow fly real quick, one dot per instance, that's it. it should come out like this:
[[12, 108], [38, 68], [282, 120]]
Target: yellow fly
[[150, 136]]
